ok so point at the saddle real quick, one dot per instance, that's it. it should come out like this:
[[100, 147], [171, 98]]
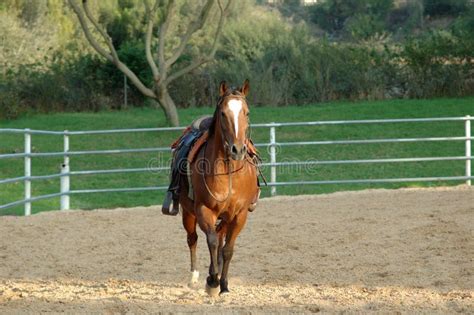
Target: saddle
[[185, 150]]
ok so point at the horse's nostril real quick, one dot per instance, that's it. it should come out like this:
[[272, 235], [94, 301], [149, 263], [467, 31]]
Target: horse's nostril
[[234, 149]]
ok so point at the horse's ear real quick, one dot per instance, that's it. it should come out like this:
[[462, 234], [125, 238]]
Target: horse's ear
[[222, 88], [245, 87]]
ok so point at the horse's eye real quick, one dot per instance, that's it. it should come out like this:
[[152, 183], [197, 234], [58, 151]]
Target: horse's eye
[[222, 114]]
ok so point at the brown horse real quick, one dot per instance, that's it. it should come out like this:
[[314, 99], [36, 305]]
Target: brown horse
[[224, 183]]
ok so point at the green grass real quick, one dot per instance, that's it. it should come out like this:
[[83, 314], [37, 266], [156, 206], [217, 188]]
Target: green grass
[[146, 117]]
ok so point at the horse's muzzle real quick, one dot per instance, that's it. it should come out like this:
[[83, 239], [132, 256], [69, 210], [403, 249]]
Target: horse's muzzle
[[238, 152]]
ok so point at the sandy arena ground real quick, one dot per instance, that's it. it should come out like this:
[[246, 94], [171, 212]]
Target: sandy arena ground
[[408, 250]]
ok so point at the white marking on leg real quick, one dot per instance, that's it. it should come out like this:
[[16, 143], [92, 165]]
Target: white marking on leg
[[235, 106], [194, 276]]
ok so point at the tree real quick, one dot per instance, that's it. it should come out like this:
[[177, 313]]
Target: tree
[[158, 16]]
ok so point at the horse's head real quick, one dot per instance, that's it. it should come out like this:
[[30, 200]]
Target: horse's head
[[232, 117]]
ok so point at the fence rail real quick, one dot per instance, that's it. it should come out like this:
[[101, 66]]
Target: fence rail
[[65, 174]]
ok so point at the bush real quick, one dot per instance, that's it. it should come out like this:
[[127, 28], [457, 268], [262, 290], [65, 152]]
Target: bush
[[11, 106], [364, 26], [291, 68], [362, 17], [64, 86], [437, 64], [445, 7], [285, 63], [270, 58]]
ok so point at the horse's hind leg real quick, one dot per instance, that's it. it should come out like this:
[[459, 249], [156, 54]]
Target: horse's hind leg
[[228, 250], [189, 223]]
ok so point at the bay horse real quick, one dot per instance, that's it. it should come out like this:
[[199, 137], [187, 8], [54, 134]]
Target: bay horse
[[224, 183]]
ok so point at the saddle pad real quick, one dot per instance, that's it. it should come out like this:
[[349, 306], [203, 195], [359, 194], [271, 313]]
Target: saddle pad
[[175, 144], [197, 145]]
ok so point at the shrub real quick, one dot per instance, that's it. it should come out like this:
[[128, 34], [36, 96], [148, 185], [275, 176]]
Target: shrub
[[363, 26], [445, 7], [368, 16], [11, 106], [437, 64]]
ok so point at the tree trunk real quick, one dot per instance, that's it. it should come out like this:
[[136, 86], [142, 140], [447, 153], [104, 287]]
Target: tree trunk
[[168, 106]]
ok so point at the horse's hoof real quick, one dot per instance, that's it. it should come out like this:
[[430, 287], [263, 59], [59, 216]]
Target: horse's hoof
[[194, 279], [213, 292], [224, 292]]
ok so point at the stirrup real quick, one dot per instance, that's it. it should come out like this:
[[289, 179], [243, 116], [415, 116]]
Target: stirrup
[[165, 209]]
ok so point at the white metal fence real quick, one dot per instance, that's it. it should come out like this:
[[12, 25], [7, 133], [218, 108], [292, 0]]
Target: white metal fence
[[65, 175]]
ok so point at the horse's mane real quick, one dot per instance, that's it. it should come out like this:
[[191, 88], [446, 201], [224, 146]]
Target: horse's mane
[[230, 91]]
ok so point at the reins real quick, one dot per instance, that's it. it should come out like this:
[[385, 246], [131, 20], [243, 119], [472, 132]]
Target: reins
[[229, 174], [229, 165]]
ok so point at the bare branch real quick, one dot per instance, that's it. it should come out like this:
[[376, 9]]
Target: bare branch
[[192, 28], [102, 32], [163, 30], [88, 33], [112, 57], [200, 61], [150, 16], [220, 25], [135, 80]]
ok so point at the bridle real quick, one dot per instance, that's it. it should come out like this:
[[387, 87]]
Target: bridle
[[226, 147], [219, 103]]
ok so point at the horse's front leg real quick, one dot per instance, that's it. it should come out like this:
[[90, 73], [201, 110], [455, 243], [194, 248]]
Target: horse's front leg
[[221, 232], [228, 250], [207, 220]]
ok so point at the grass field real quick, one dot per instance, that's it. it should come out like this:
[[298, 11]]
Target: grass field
[[146, 117]]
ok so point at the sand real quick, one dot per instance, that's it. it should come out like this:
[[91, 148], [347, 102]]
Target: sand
[[409, 250]]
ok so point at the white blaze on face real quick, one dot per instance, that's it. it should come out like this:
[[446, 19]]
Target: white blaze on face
[[235, 106]]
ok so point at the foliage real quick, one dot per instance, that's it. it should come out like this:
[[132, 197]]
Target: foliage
[[437, 64], [18, 45], [363, 26], [124, 23], [445, 7], [360, 18], [285, 61], [403, 20]]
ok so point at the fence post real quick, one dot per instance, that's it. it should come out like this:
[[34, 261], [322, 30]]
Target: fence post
[[273, 189], [65, 184], [27, 171], [468, 148], [125, 95]]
